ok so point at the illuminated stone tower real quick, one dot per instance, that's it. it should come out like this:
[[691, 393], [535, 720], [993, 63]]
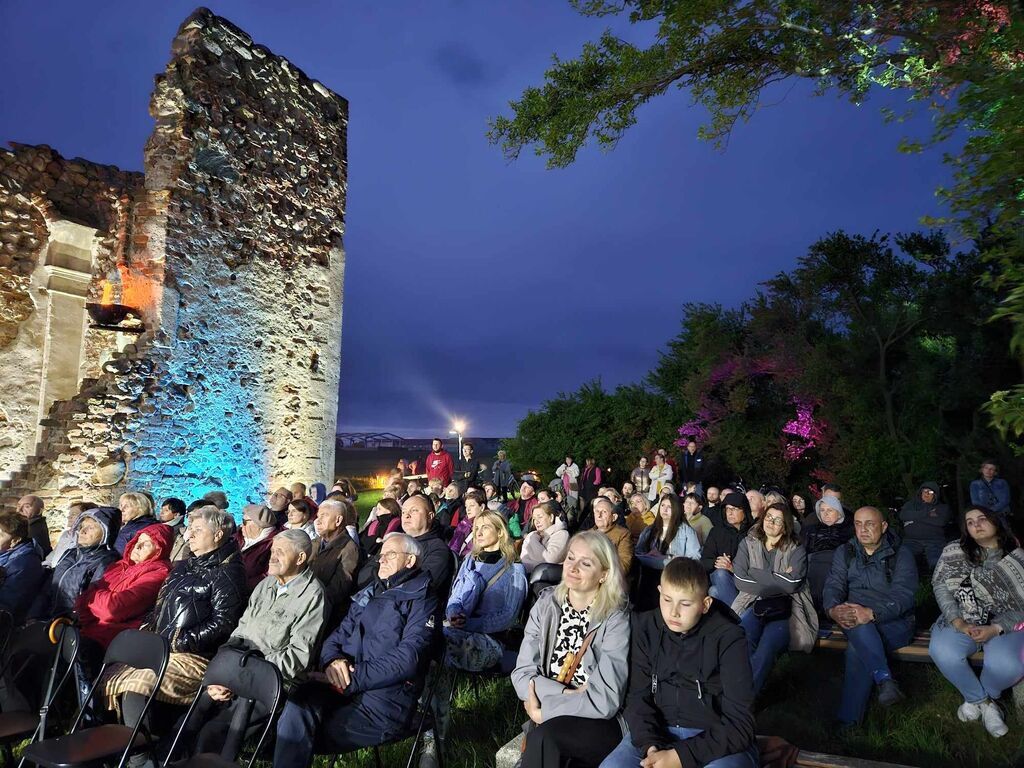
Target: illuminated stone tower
[[228, 252]]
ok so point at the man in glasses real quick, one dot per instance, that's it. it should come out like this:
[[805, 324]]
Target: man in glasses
[[371, 671]]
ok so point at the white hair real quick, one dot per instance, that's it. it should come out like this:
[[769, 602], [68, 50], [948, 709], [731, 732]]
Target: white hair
[[409, 545], [298, 539]]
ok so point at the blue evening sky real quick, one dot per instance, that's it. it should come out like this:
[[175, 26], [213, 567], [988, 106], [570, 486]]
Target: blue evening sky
[[476, 287]]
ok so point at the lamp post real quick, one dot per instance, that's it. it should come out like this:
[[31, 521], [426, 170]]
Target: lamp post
[[457, 429]]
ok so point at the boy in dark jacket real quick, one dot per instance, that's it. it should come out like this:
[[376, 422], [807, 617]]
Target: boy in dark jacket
[[690, 686]]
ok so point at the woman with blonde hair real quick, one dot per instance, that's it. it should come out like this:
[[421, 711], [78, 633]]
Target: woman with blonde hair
[[136, 514], [486, 596], [640, 515], [573, 662]]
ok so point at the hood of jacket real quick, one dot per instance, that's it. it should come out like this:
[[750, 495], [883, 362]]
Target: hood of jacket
[[162, 536], [932, 486], [108, 518], [833, 503]]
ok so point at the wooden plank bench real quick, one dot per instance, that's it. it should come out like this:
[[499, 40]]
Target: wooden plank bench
[[917, 650]]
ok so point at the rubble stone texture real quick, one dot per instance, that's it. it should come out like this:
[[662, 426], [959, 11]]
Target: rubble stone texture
[[231, 250]]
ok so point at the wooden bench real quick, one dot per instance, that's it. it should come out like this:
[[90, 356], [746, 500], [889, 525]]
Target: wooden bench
[[917, 650]]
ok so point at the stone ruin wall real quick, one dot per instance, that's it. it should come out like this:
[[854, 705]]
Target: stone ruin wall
[[233, 252]]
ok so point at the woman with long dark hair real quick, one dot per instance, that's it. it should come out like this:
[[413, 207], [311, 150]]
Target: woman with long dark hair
[[979, 586], [670, 535], [774, 602]]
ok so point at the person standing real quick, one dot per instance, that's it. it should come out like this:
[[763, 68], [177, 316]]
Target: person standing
[[439, 463], [641, 476], [990, 491], [467, 468], [590, 481], [501, 475], [660, 475], [569, 472], [691, 467]]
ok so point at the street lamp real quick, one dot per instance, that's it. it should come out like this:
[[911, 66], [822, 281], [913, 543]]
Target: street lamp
[[457, 429]]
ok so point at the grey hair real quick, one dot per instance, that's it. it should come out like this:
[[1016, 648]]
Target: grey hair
[[299, 540], [216, 518], [345, 508], [409, 545]]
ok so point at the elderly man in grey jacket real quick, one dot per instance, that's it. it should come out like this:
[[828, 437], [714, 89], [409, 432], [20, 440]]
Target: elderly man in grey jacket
[[286, 611]]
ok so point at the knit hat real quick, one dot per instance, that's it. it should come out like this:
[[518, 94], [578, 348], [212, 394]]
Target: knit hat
[[833, 503], [259, 514]]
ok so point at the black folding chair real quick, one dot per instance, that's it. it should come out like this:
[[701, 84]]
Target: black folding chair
[[6, 626], [18, 725], [90, 746], [252, 680]]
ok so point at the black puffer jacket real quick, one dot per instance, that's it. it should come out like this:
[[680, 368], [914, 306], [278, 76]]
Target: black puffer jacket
[[201, 602]]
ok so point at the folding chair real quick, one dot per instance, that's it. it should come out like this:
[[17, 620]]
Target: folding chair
[[6, 626], [252, 679], [89, 746], [18, 725]]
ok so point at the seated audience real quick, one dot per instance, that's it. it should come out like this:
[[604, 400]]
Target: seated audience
[[172, 513], [690, 637], [774, 603], [980, 592], [335, 558], [719, 550], [81, 566], [31, 508], [196, 610], [547, 542], [574, 660], [693, 508], [713, 505], [668, 536], [925, 520], [21, 567], [136, 514], [300, 518], [219, 499], [640, 515], [829, 530], [486, 596], [126, 592], [870, 595], [254, 537], [373, 665], [802, 511], [606, 519], [69, 536], [462, 539], [990, 491], [385, 518]]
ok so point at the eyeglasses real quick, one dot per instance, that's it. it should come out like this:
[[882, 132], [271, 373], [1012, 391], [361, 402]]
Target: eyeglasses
[[387, 557], [773, 520]]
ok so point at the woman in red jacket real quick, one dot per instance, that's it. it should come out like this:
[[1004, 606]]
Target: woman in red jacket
[[127, 591]]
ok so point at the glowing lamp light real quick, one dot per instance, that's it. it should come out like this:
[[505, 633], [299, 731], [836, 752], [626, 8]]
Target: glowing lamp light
[[107, 314]]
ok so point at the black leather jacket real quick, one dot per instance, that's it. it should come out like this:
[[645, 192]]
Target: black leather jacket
[[201, 602]]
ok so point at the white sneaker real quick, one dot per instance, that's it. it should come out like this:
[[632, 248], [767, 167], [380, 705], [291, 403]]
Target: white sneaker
[[992, 717], [968, 712]]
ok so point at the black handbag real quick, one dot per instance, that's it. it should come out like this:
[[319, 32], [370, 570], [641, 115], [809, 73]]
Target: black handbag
[[773, 608]]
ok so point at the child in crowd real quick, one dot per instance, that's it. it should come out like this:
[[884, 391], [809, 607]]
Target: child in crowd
[[690, 688]]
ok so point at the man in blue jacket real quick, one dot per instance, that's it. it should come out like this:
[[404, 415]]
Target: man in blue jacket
[[373, 665], [869, 593]]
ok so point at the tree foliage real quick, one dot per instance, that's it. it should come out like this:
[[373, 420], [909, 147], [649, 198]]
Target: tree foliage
[[962, 58]]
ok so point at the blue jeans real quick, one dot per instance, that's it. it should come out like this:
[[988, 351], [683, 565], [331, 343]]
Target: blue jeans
[[867, 663], [929, 551], [722, 586], [765, 643], [1003, 666], [627, 756]]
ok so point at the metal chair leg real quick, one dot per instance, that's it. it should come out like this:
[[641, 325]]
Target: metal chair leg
[[376, 757]]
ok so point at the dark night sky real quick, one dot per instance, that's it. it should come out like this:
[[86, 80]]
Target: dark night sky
[[474, 287]]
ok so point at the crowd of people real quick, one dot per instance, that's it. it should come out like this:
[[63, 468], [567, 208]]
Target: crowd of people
[[638, 621]]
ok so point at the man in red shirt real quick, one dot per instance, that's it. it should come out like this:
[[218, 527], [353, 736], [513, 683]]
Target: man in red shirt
[[439, 463]]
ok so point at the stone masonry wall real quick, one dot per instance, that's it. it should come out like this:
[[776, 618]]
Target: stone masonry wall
[[235, 260]]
